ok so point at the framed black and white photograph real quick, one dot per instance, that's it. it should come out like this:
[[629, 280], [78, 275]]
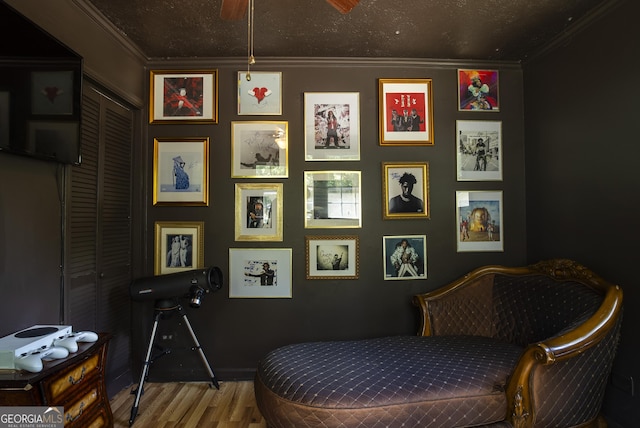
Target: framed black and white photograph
[[332, 199], [479, 147], [405, 190], [332, 126], [261, 95], [179, 246], [181, 171], [404, 257], [332, 257], [258, 212], [479, 221], [187, 96], [259, 149], [260, 273]]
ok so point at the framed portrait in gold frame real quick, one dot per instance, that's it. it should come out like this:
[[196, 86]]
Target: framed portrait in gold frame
[[183, 96], [260, 149], [179, 246], [406, 112], [181, 171], [258, 212], [406, 190]]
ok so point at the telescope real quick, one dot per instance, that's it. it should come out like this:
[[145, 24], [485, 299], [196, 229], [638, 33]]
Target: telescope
[[192, 284]]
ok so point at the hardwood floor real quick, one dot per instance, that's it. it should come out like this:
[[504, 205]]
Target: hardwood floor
[[190, 404]]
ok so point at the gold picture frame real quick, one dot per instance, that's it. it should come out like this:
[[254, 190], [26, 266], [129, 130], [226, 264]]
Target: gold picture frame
[[260, 149], [332, 257], [402, 182], [332, 199], [258, 212], [179, 246], [405, 112], [183, 96], [181, 171]]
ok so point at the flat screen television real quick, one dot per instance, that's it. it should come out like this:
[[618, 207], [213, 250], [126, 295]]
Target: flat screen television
[[40, 92]]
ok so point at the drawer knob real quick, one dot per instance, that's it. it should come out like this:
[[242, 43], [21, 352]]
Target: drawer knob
[[80, 410], [72, 381]]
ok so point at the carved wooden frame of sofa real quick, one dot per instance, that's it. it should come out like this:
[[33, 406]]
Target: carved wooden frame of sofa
[[502, 347]]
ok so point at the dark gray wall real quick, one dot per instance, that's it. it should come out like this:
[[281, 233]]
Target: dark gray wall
[[582, 156], [237, 332]]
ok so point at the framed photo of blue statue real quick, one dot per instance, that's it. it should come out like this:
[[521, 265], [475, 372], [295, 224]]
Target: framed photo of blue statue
[[181, 171]]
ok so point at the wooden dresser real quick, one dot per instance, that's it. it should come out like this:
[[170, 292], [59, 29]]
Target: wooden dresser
[[75, 382]]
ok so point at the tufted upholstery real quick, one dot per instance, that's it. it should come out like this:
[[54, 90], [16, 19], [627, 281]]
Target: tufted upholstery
[[499, 347]]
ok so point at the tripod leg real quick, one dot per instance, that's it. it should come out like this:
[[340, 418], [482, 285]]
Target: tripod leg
[[199, 349], [145, 370]]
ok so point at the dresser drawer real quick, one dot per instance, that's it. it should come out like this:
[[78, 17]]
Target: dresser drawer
[[76, 409], [71, 380]]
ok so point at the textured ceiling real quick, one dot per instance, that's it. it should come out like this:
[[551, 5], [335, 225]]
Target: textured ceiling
[[438, 29]]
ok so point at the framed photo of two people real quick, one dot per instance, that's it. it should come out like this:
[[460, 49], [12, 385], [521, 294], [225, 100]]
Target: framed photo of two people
[[405, 190]]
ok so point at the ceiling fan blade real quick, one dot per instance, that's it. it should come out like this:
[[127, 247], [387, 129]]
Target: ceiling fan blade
[[233, 10], [344, 6]]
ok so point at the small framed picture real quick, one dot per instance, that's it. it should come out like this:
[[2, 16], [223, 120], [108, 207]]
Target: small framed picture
[[406, 112], [259, 149], [406, 190], [183, 96], [333, 257], [479, 221], [262, 95], [478, 90], [181, 171], [404, 257], [179, 246], [258, 212], [260, 273], [479, 150], [332, 199], [332, 126], [52, 92]]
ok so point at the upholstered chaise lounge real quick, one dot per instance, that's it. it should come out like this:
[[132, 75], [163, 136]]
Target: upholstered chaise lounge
[[524, 347]]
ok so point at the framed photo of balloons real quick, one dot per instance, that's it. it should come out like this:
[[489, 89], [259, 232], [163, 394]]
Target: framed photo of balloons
[[259, 93], [181, 171]]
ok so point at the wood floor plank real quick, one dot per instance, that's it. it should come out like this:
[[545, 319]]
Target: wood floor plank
[[190, 405]]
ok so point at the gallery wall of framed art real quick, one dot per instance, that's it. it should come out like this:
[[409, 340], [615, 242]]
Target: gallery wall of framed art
[[322, 206]]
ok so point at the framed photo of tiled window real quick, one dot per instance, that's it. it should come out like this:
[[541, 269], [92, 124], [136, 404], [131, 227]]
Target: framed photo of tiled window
[[332, 199], [405, 112], [183, 96]]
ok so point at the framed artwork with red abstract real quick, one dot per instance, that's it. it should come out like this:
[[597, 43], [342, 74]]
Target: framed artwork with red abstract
[[183, 96]]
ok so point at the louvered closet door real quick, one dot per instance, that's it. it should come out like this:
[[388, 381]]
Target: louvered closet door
[[98, 238]]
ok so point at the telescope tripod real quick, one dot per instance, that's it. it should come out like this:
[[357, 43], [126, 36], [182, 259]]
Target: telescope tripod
[[163, 307]]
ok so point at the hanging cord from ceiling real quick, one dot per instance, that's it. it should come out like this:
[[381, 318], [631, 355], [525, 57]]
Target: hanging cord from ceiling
[[250, 25]]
